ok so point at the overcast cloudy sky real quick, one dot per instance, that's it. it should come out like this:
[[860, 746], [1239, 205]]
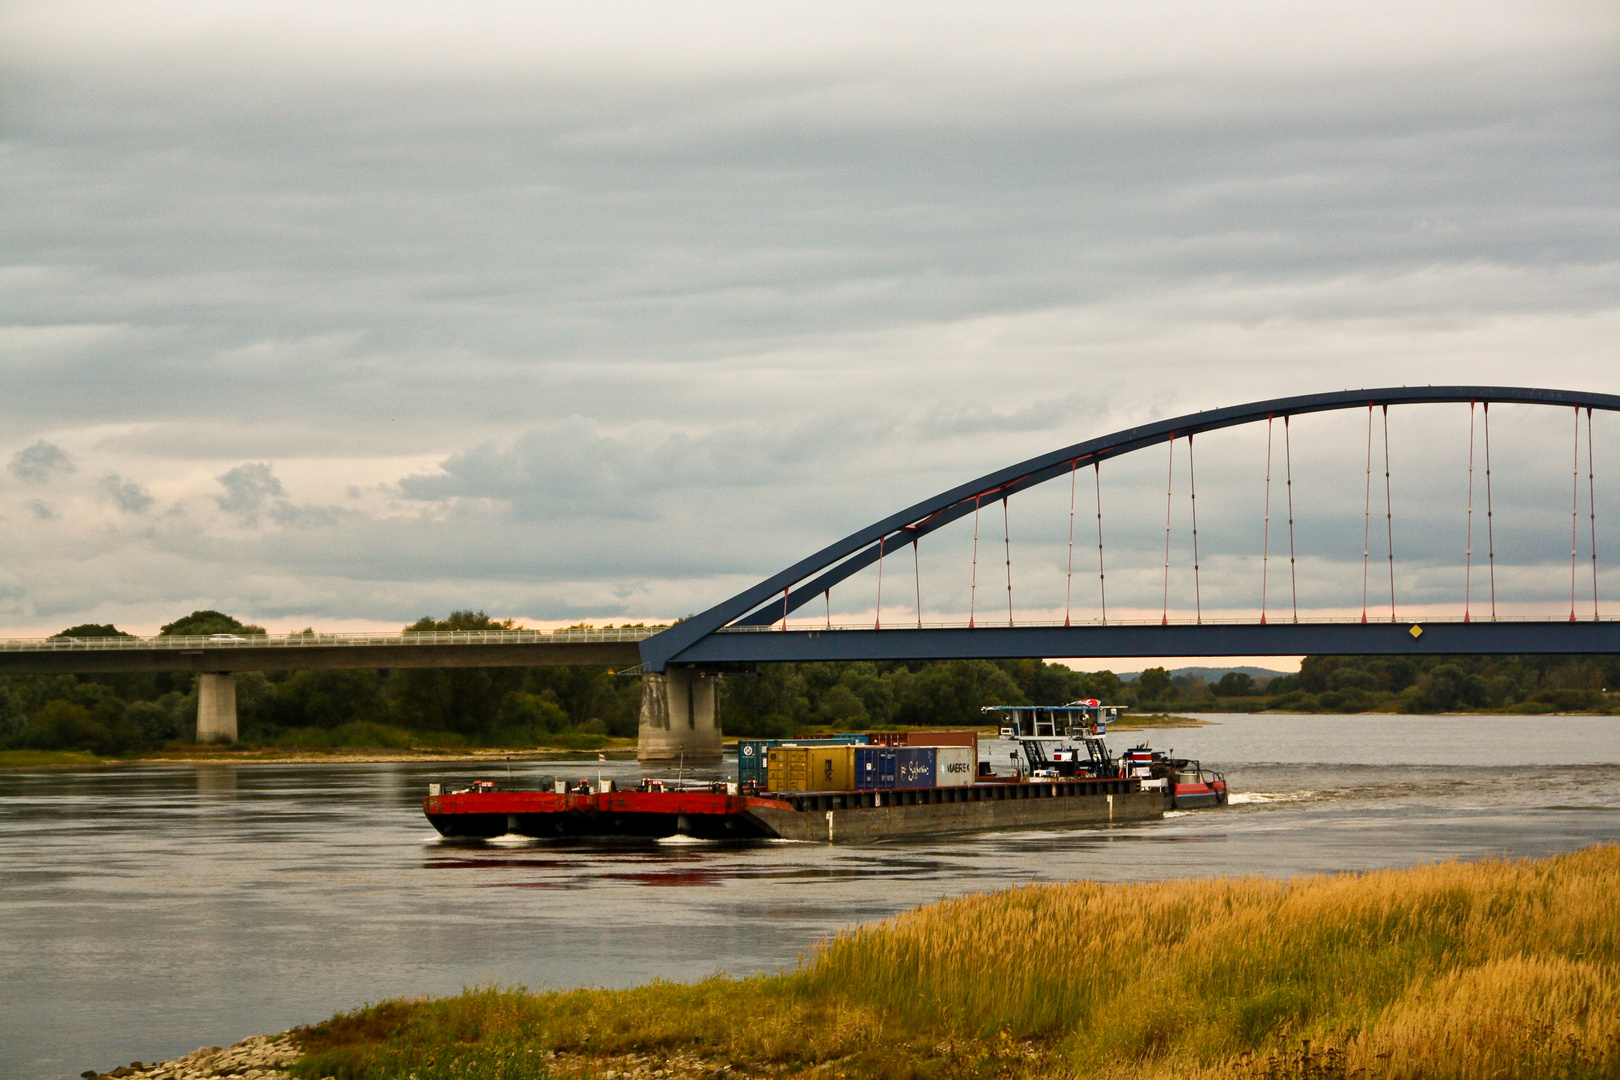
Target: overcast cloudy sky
[[341, 313]]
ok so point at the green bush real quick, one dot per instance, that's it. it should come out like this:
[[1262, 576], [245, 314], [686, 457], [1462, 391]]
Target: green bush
[[521, 710], [356, 734], [63, 725]]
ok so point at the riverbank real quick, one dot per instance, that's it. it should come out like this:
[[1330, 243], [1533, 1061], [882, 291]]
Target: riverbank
[[1446, 971], [617, 749], [261, 1057], [203, 754], [254, 754], [1155, 721]]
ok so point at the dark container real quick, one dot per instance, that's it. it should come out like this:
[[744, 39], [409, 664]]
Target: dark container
[[751, 759], [914, 767], [874, 768]]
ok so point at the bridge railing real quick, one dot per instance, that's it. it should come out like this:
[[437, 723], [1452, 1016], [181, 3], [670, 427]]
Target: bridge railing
[[901, 624], [191, 643]]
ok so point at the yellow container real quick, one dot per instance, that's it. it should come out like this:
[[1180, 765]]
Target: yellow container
[[810, 768], [787, 768]]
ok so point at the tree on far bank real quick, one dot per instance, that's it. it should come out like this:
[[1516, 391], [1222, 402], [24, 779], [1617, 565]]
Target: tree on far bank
[[1154, 685], [203, 623], [87, 630], [465, 701]]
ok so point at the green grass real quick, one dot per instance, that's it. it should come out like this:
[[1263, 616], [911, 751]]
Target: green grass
[[1139, 721], [34, 759], [363, 734], [368, 735], [1452, 971]]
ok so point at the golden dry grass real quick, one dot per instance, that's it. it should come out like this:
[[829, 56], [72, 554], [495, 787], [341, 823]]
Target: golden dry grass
[[1490, 969]]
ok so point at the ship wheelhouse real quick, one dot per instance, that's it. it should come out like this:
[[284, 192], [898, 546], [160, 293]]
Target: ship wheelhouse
[[1058, 741]]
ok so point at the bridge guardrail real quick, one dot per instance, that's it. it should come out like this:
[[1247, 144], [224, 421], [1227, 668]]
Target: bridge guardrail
[[191, 643], [900, 624]]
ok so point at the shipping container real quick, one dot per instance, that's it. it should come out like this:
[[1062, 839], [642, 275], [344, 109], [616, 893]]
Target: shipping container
[[786, 768], [811, 768], [832, 768], [751, 753], [751, 760], [955, 766], [914, 766], [944, 738], [874, 768]]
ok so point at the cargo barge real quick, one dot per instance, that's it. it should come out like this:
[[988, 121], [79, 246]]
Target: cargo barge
[[858, 788]]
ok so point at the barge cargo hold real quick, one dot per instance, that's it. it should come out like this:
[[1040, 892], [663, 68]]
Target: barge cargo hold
[[487, 812]]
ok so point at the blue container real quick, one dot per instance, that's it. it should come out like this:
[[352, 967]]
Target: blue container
[[751, 759], [914, 766], [874, 768]]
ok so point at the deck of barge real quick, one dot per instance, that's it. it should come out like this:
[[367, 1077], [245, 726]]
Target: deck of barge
[[827, 816]]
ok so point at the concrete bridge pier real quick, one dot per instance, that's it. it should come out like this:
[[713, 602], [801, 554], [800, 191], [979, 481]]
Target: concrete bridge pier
[[679, 717], [216, 707]]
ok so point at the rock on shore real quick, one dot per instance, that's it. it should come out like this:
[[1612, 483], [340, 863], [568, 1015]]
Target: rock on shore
[[258, 1058]]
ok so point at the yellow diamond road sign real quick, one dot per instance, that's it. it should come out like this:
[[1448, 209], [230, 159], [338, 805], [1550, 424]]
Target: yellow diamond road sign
[[1416, 631]]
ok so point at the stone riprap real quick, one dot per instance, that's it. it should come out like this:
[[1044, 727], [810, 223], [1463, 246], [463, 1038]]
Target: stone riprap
[[258, 1058]]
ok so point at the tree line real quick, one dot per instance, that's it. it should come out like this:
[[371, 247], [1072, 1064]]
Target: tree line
[[1420, 684], [119, 713], [583, 706]]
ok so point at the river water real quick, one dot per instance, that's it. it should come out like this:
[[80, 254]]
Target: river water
[[146, 910]]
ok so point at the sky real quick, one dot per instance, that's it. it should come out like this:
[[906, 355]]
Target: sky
[[339, 314]]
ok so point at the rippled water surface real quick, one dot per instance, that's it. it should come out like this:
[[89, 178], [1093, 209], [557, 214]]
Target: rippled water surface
[[147, 910]]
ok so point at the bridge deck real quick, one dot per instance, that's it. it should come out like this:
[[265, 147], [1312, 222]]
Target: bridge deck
[[1435, 637], [279, 652], [619, 647]]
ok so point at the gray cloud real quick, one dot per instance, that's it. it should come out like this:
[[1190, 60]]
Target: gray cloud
[[127, 495], [567, 315], [573, 468], [249, 488], [39, 462]]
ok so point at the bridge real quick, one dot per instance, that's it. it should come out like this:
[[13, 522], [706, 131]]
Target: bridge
[[1493, 611], [217, 657]]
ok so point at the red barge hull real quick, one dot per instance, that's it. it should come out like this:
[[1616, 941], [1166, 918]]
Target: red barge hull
[[816, 816], [634, 814]]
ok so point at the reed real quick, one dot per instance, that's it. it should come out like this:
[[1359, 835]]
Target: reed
[[1489, 969]]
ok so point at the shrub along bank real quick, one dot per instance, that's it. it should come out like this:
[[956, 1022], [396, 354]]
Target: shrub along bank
[[1491, 969]]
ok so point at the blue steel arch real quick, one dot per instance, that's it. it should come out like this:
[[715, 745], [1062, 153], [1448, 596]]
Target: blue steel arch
[[765, 602]]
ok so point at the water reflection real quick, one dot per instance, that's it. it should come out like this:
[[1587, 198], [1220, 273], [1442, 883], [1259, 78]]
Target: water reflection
[[216, 784]]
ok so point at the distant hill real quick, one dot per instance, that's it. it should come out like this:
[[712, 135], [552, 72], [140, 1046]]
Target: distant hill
[[1213, 674]]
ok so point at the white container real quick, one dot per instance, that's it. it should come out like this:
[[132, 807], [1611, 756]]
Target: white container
[[955, 766]]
